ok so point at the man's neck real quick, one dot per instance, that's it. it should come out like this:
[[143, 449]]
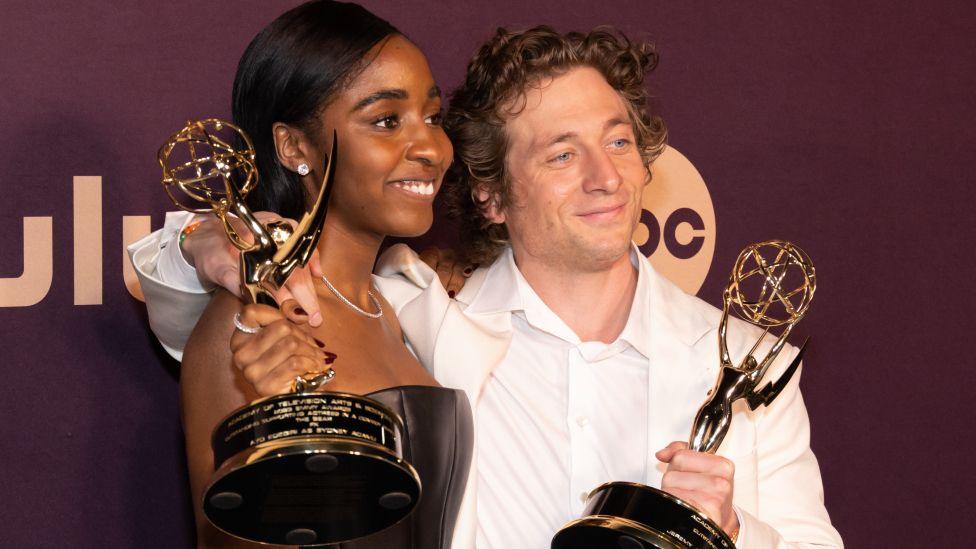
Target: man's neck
[[594, 304]]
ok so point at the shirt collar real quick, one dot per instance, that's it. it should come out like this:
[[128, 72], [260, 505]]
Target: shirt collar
[[506, 290]]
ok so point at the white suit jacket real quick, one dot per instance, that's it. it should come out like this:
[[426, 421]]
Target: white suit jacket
[[777, 490]]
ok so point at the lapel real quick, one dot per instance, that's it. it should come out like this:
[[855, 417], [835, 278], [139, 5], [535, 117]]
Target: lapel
[[472, 340], [683, 363], [460, 341]]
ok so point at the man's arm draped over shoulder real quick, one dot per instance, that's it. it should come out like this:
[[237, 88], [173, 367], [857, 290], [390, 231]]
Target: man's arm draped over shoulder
[[175, 298]]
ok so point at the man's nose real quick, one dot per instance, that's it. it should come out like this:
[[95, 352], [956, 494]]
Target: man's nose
[[601, 173]]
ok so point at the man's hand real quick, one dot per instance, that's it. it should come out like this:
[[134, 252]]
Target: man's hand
[[450, 271], [703, 480], [216, 260]]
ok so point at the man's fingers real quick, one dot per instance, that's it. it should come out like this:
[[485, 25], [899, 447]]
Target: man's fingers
[[430, 256], [302, 289], [698, 462], [314, 266], [667, 453], [228, 277], [697, 482]]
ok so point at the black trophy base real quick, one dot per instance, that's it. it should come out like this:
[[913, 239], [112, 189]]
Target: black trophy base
[[313, 491], [623, 515]]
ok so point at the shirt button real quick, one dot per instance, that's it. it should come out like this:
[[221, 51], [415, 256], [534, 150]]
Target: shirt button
[[582, 421], [583, 496]]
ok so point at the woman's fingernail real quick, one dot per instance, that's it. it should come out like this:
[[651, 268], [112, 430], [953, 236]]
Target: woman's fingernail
[[451, 294], [330, 356], [329, 360], [467, 271], [319, 342], [300, 311]]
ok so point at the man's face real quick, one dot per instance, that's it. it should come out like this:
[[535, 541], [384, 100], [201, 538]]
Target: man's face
[[576, 174]]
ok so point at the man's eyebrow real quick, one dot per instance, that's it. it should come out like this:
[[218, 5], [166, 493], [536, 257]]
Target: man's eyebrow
[[561, 138], [379, 96], [566, 136], [613, 122]]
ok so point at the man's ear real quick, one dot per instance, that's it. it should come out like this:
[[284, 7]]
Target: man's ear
[[291, 146], [489, 205]]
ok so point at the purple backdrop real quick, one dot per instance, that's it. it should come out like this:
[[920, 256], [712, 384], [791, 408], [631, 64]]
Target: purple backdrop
[[842, 126]]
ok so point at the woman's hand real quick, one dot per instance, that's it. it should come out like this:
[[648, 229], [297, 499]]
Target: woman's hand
[[281, 351], [216, 260]]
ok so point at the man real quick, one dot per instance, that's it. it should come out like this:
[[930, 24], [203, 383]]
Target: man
[[582, 364]]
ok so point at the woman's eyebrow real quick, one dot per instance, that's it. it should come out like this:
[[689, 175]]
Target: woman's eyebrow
[[396, 93]]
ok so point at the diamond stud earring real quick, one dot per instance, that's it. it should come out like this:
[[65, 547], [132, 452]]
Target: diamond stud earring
[[303, 169]]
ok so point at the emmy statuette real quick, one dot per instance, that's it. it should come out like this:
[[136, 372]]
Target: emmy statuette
[[771, 286], [308, 467]]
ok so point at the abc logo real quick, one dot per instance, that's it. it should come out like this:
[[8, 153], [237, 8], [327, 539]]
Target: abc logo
[[677, 225]]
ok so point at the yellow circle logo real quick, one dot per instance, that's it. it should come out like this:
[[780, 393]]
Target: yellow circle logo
[[677, 225]]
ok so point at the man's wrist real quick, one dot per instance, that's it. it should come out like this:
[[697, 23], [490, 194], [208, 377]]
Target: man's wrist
[[182, 242]]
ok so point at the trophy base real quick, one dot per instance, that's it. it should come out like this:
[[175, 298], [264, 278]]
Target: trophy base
[[623, 515], [310, 469]]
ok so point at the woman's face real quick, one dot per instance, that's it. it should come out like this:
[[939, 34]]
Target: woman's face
[[392, 151]]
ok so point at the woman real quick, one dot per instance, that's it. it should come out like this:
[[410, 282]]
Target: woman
[[320, 67]]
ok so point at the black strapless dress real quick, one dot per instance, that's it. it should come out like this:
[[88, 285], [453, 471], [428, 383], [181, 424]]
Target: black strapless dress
[[438, 441]]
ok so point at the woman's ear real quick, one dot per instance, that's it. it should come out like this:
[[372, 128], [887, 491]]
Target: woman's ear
[[291, 146]]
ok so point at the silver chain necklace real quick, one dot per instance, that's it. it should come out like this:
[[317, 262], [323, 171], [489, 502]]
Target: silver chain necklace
[[376, 302]]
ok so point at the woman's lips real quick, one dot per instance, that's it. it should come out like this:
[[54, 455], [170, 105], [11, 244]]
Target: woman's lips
[[416, 187]]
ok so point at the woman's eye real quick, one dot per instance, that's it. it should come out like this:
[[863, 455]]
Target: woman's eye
[[388, 122], [435, 119]]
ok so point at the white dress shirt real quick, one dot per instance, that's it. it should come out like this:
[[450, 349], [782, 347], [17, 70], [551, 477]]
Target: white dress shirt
[[557, 418]]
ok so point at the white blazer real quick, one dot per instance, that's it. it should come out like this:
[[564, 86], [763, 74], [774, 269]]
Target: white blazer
[[777, 491]]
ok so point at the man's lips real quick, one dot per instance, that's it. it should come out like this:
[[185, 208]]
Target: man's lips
[[602, 212]]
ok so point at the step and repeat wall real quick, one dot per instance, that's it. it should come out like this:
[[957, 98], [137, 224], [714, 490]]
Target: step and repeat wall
[[846, 128]]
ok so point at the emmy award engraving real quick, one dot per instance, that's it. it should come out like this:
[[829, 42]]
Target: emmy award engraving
[[307, 467], [771, 286]]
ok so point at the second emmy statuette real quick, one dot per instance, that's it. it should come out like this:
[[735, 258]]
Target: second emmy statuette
[[307, 467], [771, 285]]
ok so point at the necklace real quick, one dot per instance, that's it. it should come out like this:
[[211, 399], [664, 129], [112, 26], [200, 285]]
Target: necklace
[[376, 302]]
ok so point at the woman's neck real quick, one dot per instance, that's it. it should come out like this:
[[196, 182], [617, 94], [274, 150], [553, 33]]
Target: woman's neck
[[347, 258]]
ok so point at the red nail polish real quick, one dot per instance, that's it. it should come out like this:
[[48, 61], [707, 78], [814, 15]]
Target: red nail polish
[[330, 355], [467, 271], [319, 342], [300, 311], [450, 294], [329, 360]]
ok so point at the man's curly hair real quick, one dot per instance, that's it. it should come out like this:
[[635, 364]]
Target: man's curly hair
[[494, 90]]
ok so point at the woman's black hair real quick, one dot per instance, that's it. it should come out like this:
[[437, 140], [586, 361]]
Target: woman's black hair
[[289, 72]]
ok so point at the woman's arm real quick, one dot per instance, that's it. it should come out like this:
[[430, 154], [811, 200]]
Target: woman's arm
[[213, 384]]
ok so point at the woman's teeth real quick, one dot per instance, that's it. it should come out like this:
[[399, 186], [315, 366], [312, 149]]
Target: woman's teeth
[[416, 187]]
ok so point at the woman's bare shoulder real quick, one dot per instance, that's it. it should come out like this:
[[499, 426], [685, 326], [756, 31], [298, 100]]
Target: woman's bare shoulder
[[211, 336]]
